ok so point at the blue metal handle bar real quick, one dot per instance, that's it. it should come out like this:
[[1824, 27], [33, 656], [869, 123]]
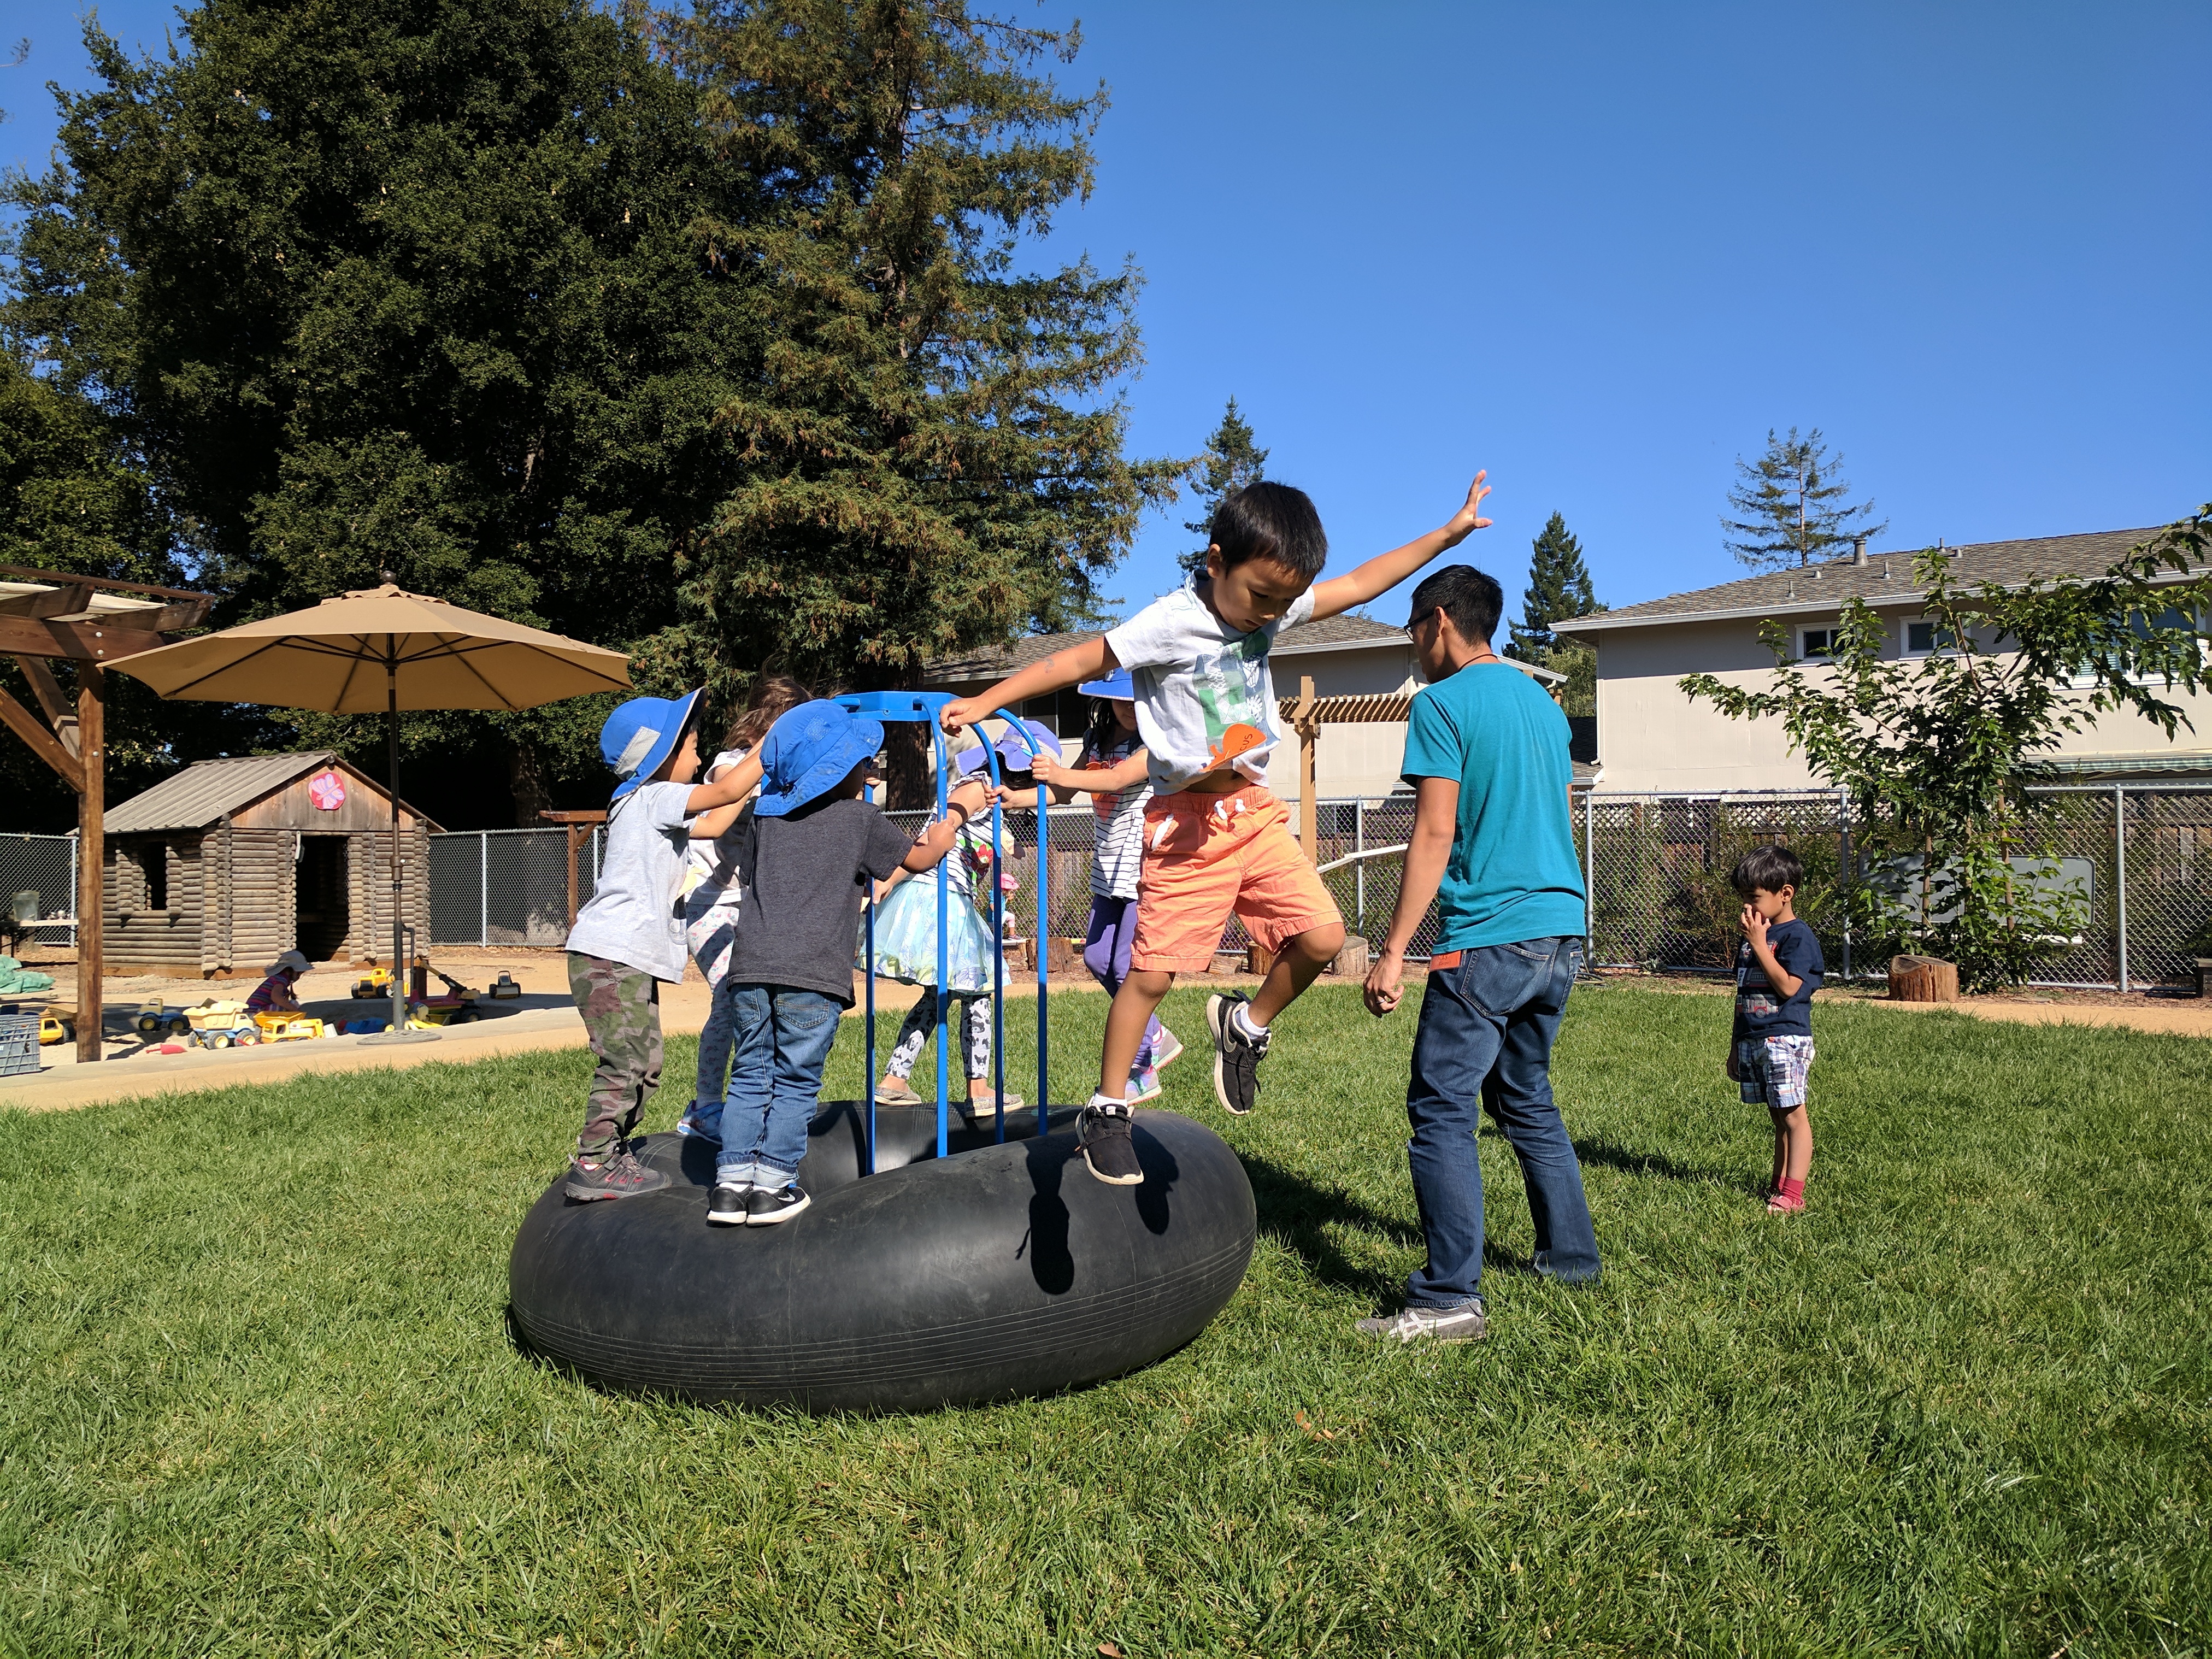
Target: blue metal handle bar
[[908, 706], [1044, 889]]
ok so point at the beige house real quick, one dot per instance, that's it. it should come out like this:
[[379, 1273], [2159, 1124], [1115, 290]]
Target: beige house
[[1652, 738], [1345, 656]]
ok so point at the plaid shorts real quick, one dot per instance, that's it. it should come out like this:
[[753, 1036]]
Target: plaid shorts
[[1772, 1070]]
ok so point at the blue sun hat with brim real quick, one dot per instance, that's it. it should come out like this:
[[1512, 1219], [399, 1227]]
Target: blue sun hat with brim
[[809, 752], [641, 734], [1014, 754], [1120, 686]]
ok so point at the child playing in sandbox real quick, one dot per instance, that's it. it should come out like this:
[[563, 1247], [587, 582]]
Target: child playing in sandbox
[[906, 932], [1216, 839], [817, 847]]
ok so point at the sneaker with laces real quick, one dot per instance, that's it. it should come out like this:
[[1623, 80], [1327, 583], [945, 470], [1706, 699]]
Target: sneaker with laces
[[615, 1173], [1465, 1323], [1144, 1085], [1235, 1057], [1102, 1133], [767, 1206], [726, 1208]]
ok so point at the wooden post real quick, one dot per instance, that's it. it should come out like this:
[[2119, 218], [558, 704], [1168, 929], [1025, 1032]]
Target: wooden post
[[91, 810], [1923, 979], [1309, 730], [578, 825]]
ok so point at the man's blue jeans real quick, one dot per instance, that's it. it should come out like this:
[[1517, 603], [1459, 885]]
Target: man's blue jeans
[[783, 1036], [1485, 1045]]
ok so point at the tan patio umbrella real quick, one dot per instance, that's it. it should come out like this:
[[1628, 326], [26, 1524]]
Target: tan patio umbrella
[[381, 648]]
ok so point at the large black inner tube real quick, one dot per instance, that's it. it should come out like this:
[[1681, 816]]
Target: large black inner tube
[[998, 1270]]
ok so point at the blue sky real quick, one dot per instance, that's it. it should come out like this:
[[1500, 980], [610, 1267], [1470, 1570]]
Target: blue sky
[[1599, 249]]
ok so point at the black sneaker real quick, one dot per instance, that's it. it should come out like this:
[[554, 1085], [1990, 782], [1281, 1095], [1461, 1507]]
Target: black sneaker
[[1235, 1057], [766, 1205], [1102, 1132], [726, 1208], [615, 1173]]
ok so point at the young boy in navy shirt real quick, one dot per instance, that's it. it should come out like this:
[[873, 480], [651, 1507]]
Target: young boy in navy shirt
[[1778, 969]]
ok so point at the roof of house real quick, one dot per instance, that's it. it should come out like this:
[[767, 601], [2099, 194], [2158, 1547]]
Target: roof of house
[[1344, 633], [200, 794], [1883, 578]]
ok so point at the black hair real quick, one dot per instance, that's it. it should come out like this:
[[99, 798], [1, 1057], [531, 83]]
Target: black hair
[[1473, 600], [1105, 728], [1269, 520], [1773, 868]]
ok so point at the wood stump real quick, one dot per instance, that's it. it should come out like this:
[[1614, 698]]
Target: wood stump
[[1066, 956], [1923, 979], [1352, 961], [1259, 960]]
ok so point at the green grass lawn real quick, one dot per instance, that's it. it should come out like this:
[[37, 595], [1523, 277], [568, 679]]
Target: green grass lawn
[[260, 1396]]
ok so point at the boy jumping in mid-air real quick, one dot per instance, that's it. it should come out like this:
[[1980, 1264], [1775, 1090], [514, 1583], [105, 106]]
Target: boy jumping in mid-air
[[1216, 841], [1778, 969]]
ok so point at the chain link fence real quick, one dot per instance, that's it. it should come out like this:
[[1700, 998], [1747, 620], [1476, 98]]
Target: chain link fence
[[38, 887], [509, 886], [1656, 867]]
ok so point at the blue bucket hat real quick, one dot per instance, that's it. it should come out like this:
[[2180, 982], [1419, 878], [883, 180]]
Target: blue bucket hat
[[809, 751], [641, 734], [1014, 754], [1120, 686]]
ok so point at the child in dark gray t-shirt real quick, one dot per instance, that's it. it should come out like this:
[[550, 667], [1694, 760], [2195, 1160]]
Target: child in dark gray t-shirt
[[818, 849]]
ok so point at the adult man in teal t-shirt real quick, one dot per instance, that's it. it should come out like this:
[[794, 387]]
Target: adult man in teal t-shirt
[[1486, 754]]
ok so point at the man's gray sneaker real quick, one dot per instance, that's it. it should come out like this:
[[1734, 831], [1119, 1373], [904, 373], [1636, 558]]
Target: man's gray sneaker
[[1465, 1323], [613, 1174], [1235, 1057]]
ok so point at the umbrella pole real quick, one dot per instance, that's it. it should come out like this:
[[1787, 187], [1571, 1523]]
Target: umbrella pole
[[399, 1033]]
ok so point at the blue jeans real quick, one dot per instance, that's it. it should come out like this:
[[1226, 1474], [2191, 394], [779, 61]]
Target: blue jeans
[[783, 1036], [1485, 1044]]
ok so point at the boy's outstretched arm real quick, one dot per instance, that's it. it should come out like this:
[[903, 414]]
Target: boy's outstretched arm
[[1091, 660], [1386, 570]]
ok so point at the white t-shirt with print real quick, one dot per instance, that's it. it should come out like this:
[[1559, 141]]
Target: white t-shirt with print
[[1197, 680]]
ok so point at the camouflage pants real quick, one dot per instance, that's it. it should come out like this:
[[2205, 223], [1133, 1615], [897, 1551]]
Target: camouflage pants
[[620, 1007]]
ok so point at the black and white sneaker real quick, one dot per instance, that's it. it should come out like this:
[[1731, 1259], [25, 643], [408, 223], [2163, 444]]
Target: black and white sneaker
[[1102, 1132], [766, 1205], [1235, 1057], [726, 1208]]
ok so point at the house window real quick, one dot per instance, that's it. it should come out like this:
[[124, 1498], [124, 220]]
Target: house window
[[1819, 642], [149, 862], [1922, 637], [2141, 627]]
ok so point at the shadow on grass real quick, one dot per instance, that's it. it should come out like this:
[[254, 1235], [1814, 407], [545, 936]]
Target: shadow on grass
[[1630, 1160], [1296, 1210]]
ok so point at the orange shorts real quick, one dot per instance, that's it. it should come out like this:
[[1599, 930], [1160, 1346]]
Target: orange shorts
[[1207, 855]]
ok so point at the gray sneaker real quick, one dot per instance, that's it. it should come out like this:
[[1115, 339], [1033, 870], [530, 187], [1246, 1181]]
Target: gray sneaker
[[1464, 1323], [613, 1174]]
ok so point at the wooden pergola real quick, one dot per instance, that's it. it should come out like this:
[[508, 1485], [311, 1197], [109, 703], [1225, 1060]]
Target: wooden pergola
[[89, 621]]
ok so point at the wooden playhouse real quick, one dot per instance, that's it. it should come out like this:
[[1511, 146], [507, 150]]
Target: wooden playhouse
[[218, 870]]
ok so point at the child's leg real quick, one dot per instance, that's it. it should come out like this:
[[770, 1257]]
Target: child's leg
[[1789, 1064], [1781, 1121], [752, 1076], [1127, 1022], [620, 1007], [977, 1012], [805, 1024], [1794, 1129], [1106, 954], [705, 1117], [1299, 961], [912, 1034]]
